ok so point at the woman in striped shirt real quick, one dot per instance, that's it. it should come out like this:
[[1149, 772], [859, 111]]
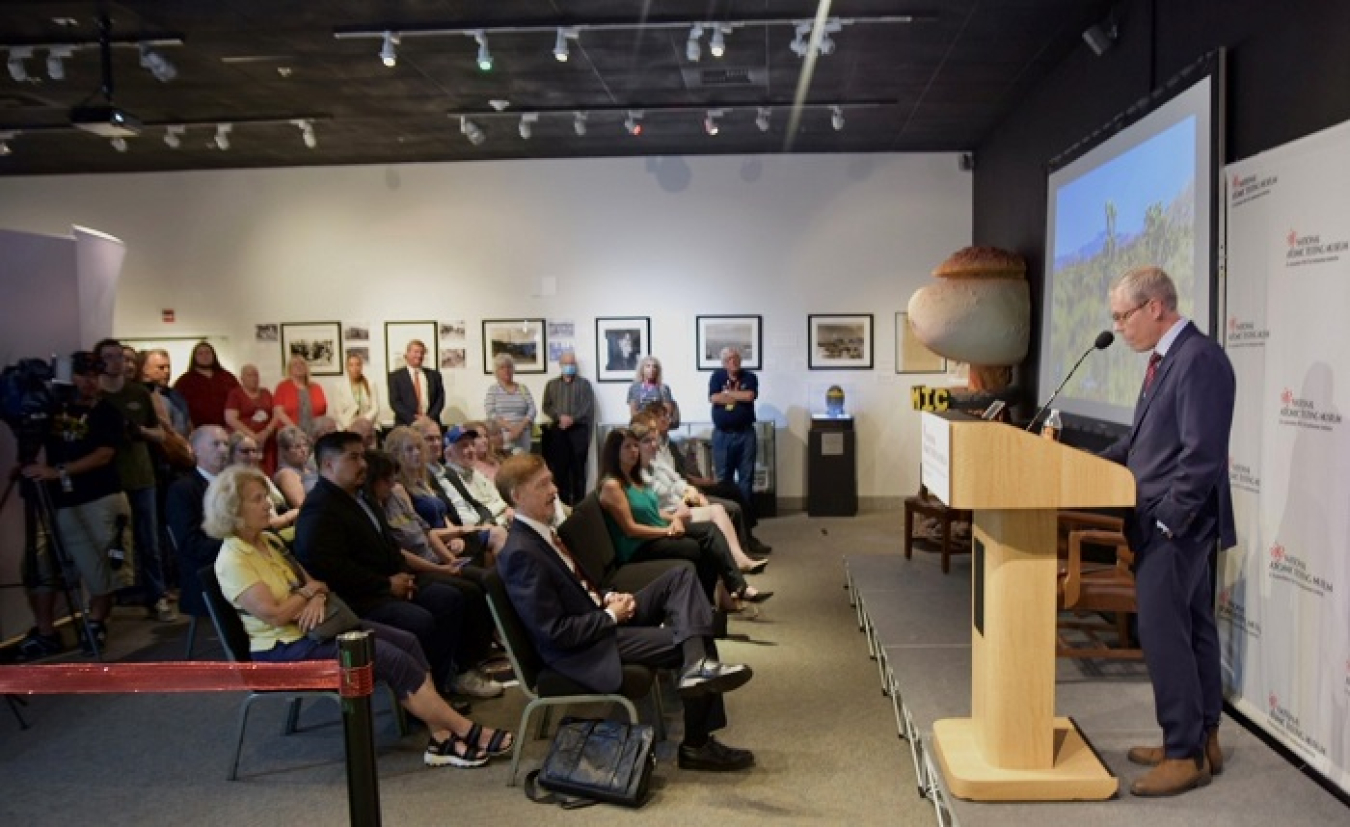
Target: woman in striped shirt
[[510, 407]]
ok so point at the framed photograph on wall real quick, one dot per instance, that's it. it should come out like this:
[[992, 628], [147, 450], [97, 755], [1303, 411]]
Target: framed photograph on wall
[[910, 354], [320, 343], [620, 343], [712, 333], [839, 342], [522, 339], [397, 335]]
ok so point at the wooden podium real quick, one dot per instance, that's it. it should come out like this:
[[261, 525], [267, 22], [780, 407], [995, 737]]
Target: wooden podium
[[1012, 747]]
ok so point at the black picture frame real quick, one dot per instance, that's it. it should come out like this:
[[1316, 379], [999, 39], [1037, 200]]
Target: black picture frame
[[524, 339], [620, 344], [320, 343], [839, 341], [712, 333]]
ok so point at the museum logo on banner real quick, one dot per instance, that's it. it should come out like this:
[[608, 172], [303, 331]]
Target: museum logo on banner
[[1242, 477], [1233, 611], [1287, 722], [1285, 567], [1248, 188], [1298, 412], [1311, 248], [1245, 333]]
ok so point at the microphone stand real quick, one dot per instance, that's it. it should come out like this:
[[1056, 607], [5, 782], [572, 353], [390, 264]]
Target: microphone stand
[[1055, 395]]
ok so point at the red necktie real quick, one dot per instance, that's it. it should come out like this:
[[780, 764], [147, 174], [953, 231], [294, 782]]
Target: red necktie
[[576, 569], [1152, 372]]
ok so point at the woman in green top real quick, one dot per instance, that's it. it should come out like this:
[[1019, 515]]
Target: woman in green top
[[641, 531]]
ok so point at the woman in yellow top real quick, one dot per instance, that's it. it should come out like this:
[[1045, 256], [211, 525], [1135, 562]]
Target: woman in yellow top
[[279, 603]]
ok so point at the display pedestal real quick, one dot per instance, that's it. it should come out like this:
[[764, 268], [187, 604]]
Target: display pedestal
[[832, 468]]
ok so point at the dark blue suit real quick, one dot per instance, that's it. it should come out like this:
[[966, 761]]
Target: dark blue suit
[[1177, 450], [403, 396], [580, 640]]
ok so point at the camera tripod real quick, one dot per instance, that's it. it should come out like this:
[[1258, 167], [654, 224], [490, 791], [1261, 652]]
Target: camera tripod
[[40, 520]]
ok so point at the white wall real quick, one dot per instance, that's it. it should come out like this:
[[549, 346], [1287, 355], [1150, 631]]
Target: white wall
[[669, 238]]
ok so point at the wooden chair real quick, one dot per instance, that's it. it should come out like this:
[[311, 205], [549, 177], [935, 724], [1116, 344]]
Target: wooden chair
[[930, 506], [1086, 589], [546, 688]]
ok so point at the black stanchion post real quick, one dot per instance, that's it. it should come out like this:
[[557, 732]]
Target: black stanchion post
[[356, 654]]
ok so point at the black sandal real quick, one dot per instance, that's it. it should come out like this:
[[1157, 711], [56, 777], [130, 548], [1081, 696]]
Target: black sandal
[[757, 597], [500, 743]]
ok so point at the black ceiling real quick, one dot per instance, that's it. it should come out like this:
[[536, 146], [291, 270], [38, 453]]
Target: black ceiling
[[939, 83]]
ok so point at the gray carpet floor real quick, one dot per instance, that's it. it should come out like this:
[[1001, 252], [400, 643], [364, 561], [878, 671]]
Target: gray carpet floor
[[823, 734]]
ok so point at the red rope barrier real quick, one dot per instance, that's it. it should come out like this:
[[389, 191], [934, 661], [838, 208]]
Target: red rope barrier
[[195, 676], [357, 681]]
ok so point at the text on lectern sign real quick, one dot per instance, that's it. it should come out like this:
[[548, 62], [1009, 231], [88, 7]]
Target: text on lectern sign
[[936, 456]]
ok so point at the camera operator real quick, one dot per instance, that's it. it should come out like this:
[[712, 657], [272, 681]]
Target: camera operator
[[86, 494], [137, 472]]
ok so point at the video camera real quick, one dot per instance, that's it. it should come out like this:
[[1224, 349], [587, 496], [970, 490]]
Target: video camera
[[32, 391]]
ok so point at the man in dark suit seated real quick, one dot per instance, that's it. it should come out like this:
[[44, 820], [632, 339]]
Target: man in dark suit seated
[[415, 391], [587, 636], [344, 541], [1177, 450], [184, 509]]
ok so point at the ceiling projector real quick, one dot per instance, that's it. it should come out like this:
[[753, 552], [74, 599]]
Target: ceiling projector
[[106, 121]]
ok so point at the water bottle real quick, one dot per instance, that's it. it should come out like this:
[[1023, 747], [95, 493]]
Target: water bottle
[[1053, 425], [117, 554]]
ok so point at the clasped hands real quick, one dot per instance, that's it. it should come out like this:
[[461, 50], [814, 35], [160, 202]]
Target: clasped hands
[[622, 605], [315, 607]]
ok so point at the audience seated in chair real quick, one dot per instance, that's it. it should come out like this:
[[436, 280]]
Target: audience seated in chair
[[588, 636], [279, 603], [244, 450], [295, 474], [184, 507]]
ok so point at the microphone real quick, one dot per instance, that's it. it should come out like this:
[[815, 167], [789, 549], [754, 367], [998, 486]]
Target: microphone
[[1102, 342]]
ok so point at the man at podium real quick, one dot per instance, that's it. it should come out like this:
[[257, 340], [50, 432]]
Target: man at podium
[[1177, 451]]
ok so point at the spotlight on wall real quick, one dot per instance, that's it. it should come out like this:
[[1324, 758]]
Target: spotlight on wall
[[633, 123], [5, 138], [527, 122], [222, 139], [119, 144], [56, 67], [837, 118], [470, 130], [173, 136], [157, 64], [484, 56], [561, 48], [693, 50], [762, 119], [717, 45], [1100, 37], [579, 123], [306, 127], [389, 50], [710, 124], [17, 70]]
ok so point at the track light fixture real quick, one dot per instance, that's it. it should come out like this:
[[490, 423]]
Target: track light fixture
[[157, 64], [693, 50], [801, 43], [389, 50], [717, 45], [762, 119], [579, 123], [1100, 37], [17, 70], [222, 139], [484, 56], [173, 136], [5, 138], [306, 127], [561, 48], [710, 125], [633, 123], [470, 130], [119, 144], [56, 67], [527, 122], [837, 118]]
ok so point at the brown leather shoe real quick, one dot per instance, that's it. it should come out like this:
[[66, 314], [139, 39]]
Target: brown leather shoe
[[1153, 756], [1172, 777]]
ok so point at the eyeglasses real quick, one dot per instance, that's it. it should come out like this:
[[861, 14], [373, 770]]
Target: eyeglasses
[[647, 441], [1122, 318], [250, 450]]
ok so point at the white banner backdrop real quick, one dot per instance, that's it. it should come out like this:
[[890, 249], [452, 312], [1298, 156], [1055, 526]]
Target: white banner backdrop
[[1284, 592]]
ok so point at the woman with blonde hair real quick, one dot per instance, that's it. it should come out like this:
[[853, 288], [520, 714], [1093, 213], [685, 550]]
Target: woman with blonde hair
[[244, 451], [299, 401], [355, 396], [295, 475], [279, 603], [647, 387]]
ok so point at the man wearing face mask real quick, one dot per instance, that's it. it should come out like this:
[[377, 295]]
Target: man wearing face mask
[[569, 402]]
